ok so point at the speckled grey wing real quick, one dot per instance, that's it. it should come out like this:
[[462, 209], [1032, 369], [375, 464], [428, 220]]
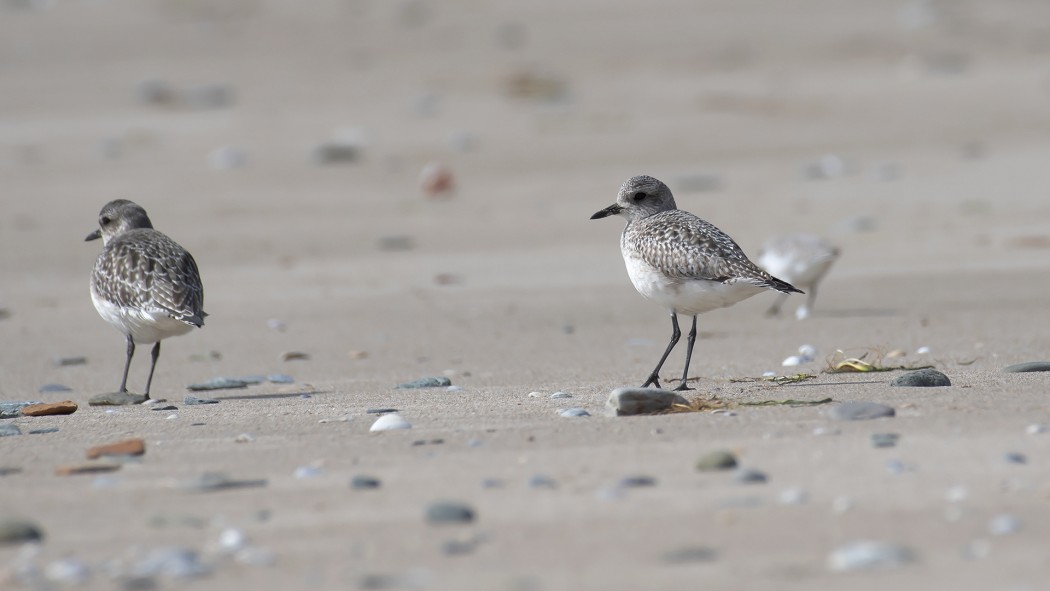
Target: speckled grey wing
[[684, 246], [147, 270]]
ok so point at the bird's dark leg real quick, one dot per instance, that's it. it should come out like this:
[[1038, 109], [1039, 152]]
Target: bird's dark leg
[[154, 354], [654, 378], [127, 365], [688, 356], [774, 310]]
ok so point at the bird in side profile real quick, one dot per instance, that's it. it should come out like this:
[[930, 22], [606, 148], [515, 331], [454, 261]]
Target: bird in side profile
[[680, 261], [144, 284], [802, 259]]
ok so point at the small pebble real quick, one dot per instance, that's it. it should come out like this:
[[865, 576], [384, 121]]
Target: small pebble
[[165, 407], [558, 395], [574, 412], [750, 476], [716, 460], [307, 472], [454, 389], [769, 374], [869, 555], [641, 401], [1037, 428], [276, 324], [792, 361], [294, 356], [1004, 524], [492, 483], [48, 388], [362, 482], [436, 180], [244, 438], [43, 431], [250, 380], [216, 481], [1015, 458], [176, 562], [17, 531], [127, 447], [194, 401], [9, 429], [859, 411], [449, 512], [390, 422], [218, 384], [636, 481], [116, 399], [922, 350], [280, 378], [689, 555], [438, 382], [337, 153], [922, 378], [68, 361], [232, 539], [1027, 367], [793, 496], [542, 481], [66, 407], [884, 439], [535, 394]]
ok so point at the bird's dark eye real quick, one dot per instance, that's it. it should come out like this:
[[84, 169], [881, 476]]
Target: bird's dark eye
[[105, 221], [639, 196]]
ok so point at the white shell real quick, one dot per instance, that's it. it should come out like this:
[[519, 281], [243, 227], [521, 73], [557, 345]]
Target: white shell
[[390, 422]]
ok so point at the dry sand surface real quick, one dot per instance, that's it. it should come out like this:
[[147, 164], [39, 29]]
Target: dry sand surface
[[912, 134]]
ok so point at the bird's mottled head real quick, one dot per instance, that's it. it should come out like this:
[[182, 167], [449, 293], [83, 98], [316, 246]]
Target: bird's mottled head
[[640, 197], [119, 216]]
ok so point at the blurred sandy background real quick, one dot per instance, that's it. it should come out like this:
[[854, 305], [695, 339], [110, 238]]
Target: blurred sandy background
[[912, 134]]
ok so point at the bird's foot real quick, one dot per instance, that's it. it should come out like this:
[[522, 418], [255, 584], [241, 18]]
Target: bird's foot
[[652, 381], [683, 388]]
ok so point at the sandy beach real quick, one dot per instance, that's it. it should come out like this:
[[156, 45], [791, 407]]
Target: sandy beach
[[283, 144]]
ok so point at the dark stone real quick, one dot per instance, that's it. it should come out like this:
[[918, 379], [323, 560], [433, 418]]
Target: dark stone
[[43, 430], [860, 411], [193, 401], [440, 382], [637, 481], [165, 407], [380, 411], [750, 476], [361, 482], [449, 512], [1028, 366], [922, 378], [716, 460], [17, 531], [884, 439]]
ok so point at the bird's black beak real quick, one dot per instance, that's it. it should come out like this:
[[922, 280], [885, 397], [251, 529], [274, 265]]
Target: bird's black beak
[[94, 235], [613, 209]]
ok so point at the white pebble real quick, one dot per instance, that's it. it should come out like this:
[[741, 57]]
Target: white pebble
[[232, 539], [793, 496], [869, 555], [823, 431], [807, 352], [172, 416], [454, 388], [1004, 524], [769, 374], [1036, 429], [390, 422], [557, 395], [792, 361], [922, 350], [535, 394], [305, 472], [801, 313], [244, 438]]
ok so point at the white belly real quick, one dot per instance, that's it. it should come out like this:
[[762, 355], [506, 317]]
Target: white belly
[[686, 296], [144, 326]]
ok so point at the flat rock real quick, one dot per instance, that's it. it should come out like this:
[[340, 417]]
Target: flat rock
[[116, 399], [716, 460], [66, 407], [8, 429], [128, 447], [43, 431], [218, 384], [860, 411], [17, 531], [449, 512], [438, 382], [1027, 367], [86, 469], [194, 401], [922, 378], [641, 401]]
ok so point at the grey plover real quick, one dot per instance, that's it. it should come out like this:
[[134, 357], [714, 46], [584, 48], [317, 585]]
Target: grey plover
[[144, 283], [802, 259], [680, 261]]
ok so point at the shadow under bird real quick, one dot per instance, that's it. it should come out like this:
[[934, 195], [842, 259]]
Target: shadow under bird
[[144, 284], [682, 262]]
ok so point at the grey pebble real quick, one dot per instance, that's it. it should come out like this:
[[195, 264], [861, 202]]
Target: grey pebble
[[43, 430], [67, 361], [177, 562], [860, 411], [165, 407], [280, 378], [438, 382], [116, 399], [869, 555], [542, 481], [337, 153], [559, 395], [458, 547], [214, 481], [641, 401], [193, 401], [10, 410], [397, 243], [716, 460], [8, 429], [380, 411], [1027, 367], [922, 378], [449, 512], [750, 476], [362, 482], [492, 483], [8, 470], [884, 439], [574, 412], [16, 531], [218, 384], [139, 584], [689, 555], [54, 388], [636, 481], [1015, 458]]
